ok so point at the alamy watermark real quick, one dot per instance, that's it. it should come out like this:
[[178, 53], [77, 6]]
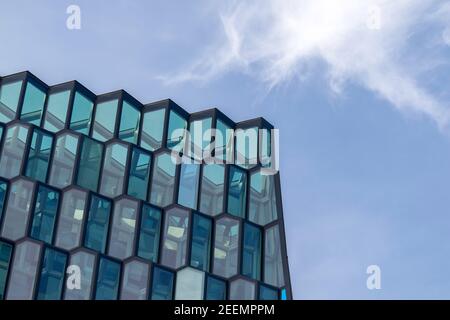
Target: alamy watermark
[[73, 21], [374, 279]]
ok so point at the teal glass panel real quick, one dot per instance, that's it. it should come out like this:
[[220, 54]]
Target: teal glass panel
[[105, 120], [247, 147], [113, 174], [9, 99], [97, 224], [237, 191], [265, 156], [5, 259], [139, 174], [149, 233], [273, 262], [283, 294], [107, 280], [223, 142], [212, 189], [215, 289], [135, 281], [52, 275], [153, 129], [175, 238], [263, 202], [163, 181], [162, 284], [251, 252], [188, 187], [45, 214], [176, 131], [200, 135], [266, 293], [39, 156], [129, 123], [56, 113], [226, 247], [13, 151], [201, 242], [89, 165], [80, 120], [3, 190], [63, 162], [33, 104]]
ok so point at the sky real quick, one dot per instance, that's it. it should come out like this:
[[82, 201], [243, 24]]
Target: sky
[[358, 90]]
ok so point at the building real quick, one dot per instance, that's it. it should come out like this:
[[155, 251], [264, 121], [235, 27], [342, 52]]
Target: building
[[92, 205]]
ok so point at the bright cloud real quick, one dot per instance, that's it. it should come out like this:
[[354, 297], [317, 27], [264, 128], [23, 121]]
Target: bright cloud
[[376, 44]]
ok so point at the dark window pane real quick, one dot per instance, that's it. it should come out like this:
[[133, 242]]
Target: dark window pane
[[105, 120], [89, 165], [150, 231], [129, 123], [33, 104], [55, 116], [107, 280], [5, 258], [251, 252], [52, 275], [139, 174], [176, 131], [3, 190], [97, 225], [201, 242], [266, 293], [215, 289], [188, 188], [163, 180], [80, 120], [9, 99], [45, 214], [152, 129], [162, 284], [212, 190], [237, 191], [39, 156]]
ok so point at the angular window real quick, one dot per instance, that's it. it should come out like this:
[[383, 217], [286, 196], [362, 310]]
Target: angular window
[[265, 145], [136, 276], [80, 120], [5, 259], [39, 156], [267, 293], [107, 280], [200, 135], [113, 173], [89, 164], [97, 224], [212, 189], [163, 180], [190, 284], [251, 252], [55, 116], [149, 233], [45, 214], [273, 264], [105, 120], [176, 131], [129, 123], [247, 147], [223, 149], [175, 238], [215, 289], [86, 262], [33, 103], [188, 188], [162, 284], [24, 271], [3, 190], [237, 191], [153, 129], [9, 99], [63, 163], [241, 289], [123, 227], [201, 242], [71, 219], [17, 210], [53, 270], [139, 174], [226, 247], [13, 151], [263, 202]]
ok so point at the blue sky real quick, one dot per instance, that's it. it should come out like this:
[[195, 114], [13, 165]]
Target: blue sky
[[359, 92]]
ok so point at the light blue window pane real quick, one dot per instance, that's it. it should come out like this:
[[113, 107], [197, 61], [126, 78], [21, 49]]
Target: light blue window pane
[[176, 131], [89, 165], [52, 275], [212, 190], [80, 120], [174, 248], [273, 263], [266, 147], [263, 202], [247, 147], [139, 174], [55, 116], [86, 261], [226, 247], [237, 192], [223, 142], [152, 129], [129, 123], [188, 189], [283, 294], [45, 214], [9, 99], [215, 289], [201, 242], [5, 259], [113, 173], [98, 223], [39, 156], [13, 151], [63, 162], [33, 104], [107, 280], [266, 293], [241, 289], [1, 132], [251, 252], [149, 233], [162, 284], [3, 190], [105, 120], [200, 135], [163, 180], [135, 280]]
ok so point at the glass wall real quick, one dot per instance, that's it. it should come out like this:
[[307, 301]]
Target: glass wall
[[121, 242], [263, 202], [237, 191], [63, 163], [89, 164], [107, 280], [241, 289], [201, 242], [163, 180], [33, 103], [136, 276], [215, 289], [9, 100], [129, 123], [223, 142], [251, 252], [188, 187], [85, 261], [105, 120], [153, 129], [162, 284], [139, 174], [273, 263], [80, 120], [3, 190], [247, 147], [212, 189], [226, 247], [51, 281], [175, 238], [267, 293], [149, 233], [45, 212], [39, 155], [190, 284], [5, 259], [200, 134], [176, 131], [113, 174], [97, 224], [13, 151], [56, 113]]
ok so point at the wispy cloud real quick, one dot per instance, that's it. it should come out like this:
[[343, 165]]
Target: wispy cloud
[[376, 44]]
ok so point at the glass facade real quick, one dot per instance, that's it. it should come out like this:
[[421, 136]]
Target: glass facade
[[90, 185]]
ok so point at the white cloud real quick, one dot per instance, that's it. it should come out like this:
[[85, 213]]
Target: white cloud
[[372, 43]]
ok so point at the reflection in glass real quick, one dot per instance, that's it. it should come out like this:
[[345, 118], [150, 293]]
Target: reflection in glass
[[188, 188], [215, 289], [33, 103], [5, 259], [149, 233], [13, 151], [129, 123], [56, 113], [135, 281], [247, 147], [139, 174], [273, 264], [97, 224], [163, 180], [63, 163], [201, 242], [251, 252], [89, 164], [237, 192], [39, 155], [162, 284], [241, 289], [212, 189], [175, 238], [107, 280], [9, 99], [152, 129], [267, 293], [190, 284], [3, 190], [80, 120], [44, 214], [200, 138], [86, 262], [226, 247], [223, 142], [176, 131], [51, 280], [105, 120], [123, 229], [113, 173], [263, 203]]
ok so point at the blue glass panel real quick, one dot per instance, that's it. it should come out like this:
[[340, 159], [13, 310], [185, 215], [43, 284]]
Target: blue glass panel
[[251, 252], [80, 120], [215, 289], [44, 214], [55, 116], [89, 165], [212, 189], [33, 104], [162, 284], [39, 156], [283, 294], [5, 259], [129, 123], [98, 223], [175, 133], [223, 142], [201, 242], [9, 99], [237, 191], [188, 189], [3, 190], [152, 129], [247, 147], [105, 120], [200, 138], [52, 275], [163, 180], [266, 293], [150, 231], [107, 280], [139, 174]]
